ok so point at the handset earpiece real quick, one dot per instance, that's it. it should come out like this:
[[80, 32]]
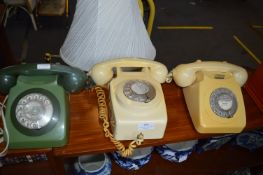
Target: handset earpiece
[[8, 78], [101, 73], [240, 76], [159, 72], [7, 82], [183, 75], [70, 78], [72, 82]]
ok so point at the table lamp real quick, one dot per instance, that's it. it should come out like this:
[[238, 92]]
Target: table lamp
[[103, 30]]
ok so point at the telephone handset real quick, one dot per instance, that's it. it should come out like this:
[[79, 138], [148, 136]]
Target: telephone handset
[[102, 73], [37, 106], [72, 79], [137, 104], [213, 95]]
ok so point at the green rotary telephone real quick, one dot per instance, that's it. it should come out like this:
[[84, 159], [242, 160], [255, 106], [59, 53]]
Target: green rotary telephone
[[37, 109]]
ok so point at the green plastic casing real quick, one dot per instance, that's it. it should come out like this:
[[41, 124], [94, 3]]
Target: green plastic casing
[[57, 135], [51, 80]]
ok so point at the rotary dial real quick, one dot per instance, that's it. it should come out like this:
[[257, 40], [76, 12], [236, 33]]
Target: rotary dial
[[34, 111], [223, 102], [139, 90]]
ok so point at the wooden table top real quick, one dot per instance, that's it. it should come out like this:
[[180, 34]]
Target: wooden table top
[[86, 134]]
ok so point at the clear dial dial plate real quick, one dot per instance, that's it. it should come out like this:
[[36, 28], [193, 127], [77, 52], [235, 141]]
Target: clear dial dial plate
[[139, 90], [223, 102], [34, 111]]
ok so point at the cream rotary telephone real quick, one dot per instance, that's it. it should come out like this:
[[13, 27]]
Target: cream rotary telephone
[[137, 105], [213, 95]]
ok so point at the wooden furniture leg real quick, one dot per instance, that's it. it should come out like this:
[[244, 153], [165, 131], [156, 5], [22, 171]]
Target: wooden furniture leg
[[57, 164]]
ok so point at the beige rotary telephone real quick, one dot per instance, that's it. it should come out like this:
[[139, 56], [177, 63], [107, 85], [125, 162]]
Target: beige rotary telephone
[[213, 95], [137, 104]]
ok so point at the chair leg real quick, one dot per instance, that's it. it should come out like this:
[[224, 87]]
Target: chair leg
[[33, 21], [31, 16], [151, 16], [141, 7], [6, 15], [67, 8], [3, 15]]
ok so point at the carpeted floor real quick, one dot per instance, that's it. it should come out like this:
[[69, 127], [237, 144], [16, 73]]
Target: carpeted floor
[[227, 18]]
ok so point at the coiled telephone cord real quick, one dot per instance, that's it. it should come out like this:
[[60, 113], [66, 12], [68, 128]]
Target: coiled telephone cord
[[103, 115], [2, 114]]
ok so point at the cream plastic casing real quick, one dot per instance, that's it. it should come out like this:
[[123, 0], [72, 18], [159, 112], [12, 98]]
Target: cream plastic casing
[[129, 118], [197, 99], [199, 80]]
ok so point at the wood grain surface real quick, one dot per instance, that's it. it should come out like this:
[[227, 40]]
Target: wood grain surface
[[86, 134]]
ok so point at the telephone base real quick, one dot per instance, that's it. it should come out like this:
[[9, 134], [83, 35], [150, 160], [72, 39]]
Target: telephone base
[[219, 130], [130, 118], [205, 119], [55, 132]]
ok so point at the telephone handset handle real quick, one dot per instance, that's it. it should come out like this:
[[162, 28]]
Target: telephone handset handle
[[184, 74], [72, 79], [102, 73]]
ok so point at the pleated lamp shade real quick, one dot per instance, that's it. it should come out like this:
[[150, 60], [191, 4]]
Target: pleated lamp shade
[[103, 30]]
